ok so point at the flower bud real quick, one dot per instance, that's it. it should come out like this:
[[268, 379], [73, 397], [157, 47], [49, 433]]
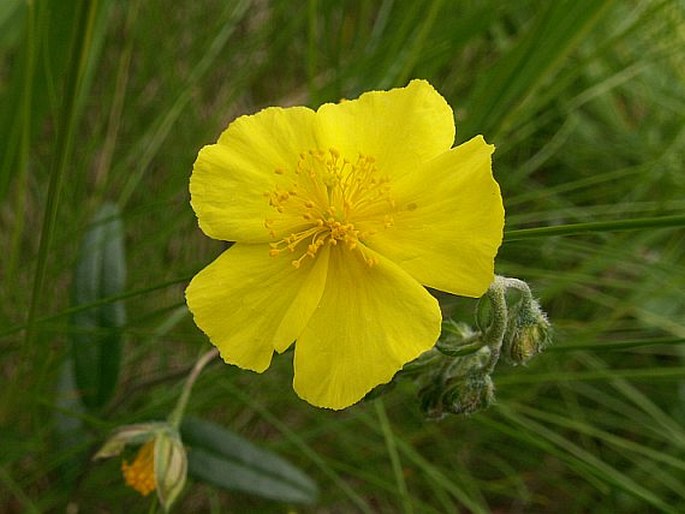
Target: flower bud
[[430, 398], [469, 394], [460, 395], [530, 334]]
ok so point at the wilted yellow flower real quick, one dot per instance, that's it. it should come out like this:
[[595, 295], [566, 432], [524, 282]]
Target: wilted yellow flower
[[161, 463], [339, 216], [141, 474]]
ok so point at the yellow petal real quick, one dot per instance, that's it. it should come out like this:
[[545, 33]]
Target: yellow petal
[[369, 323], [230, 178], [448, 221], [140, 475], [250, 303], [400, 128]]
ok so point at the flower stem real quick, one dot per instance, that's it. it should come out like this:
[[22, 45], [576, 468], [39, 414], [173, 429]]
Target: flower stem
[[394, 456], [494, 334], [177, 415]]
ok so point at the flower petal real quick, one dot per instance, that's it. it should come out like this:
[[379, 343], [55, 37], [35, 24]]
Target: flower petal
[[400, 128], [369, 323], [250, 303], [448, 223], [230, 178]]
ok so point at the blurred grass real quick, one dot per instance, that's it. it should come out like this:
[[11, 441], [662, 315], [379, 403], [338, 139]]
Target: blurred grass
[[585, 101]]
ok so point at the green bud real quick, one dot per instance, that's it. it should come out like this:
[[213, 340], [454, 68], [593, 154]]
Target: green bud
[[529, 334], [461, 395], [430, 398], [469, 394]]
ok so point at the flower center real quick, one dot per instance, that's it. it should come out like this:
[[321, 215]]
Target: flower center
[[324, 200], [141, 474]]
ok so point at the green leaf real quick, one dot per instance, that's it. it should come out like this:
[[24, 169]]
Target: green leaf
[[224, 459], [96, 332], [71, 437]]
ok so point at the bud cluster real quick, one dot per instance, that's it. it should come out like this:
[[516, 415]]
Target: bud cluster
[[455, 376]]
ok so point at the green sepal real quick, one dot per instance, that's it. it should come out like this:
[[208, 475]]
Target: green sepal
[[171, 467]]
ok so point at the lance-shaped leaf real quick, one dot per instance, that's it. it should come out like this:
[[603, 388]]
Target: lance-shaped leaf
[[96, 331], [72, 440], [225, 459]]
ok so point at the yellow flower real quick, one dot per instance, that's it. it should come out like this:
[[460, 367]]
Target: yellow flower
[[339, 216]]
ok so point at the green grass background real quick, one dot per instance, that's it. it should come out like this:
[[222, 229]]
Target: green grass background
[[585, 101]]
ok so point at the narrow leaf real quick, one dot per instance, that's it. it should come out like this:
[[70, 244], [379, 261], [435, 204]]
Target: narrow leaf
[[96, 332], [71, 437], [225, 459]]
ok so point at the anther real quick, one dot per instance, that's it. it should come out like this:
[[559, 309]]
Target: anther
[[328, 192]]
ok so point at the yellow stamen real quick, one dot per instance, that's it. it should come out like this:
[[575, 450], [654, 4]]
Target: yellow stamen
[[329, 194], [141, 474]]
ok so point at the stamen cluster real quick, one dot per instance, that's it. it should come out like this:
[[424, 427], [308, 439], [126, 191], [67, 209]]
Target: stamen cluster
[[324, 198]]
